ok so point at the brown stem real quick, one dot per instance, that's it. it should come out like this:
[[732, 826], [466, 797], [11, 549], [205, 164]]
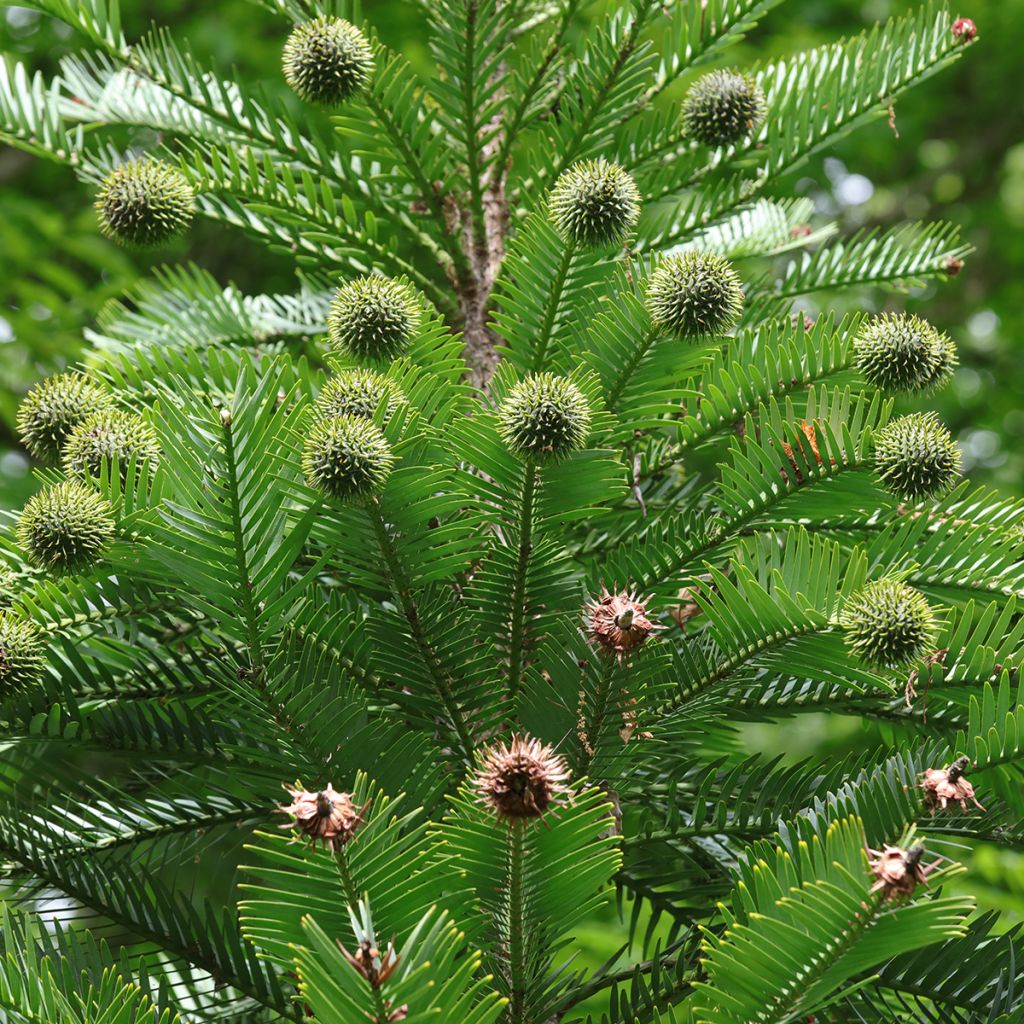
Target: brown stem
[[480, 340]]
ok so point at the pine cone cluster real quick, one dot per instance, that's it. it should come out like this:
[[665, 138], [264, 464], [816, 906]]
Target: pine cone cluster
[[113, 436], [52, 410]]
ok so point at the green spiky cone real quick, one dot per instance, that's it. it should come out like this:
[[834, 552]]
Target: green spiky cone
[[144, 204], [6, 584], [889, 624], [112, 435], [723, 107], [21, 652], [66, 527], [594, 203], [916, 457], [358, 393], [903, 353], [945, 365], [53, 408], [694, 295], [373, 318], [347, 457], [544, 417], [327, 61]]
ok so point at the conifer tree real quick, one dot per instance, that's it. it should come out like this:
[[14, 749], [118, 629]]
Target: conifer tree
[[488, 540]]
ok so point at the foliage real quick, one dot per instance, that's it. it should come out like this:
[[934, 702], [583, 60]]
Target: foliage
[[372, 601]]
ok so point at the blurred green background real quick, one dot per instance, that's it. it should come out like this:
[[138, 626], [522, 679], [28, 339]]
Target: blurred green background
[[959, 155]]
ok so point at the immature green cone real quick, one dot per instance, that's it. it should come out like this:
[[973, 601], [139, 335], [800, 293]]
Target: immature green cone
[[722, 108], [373, 318], [21, 652], [112, 435], [144, 204], [916, 457], [327, 61], [594, 203], [6, 584], [544, 416], [694, 294], [903, 353], [889, 624], [944, 365], [66, 527], [358, 393], [53, 408], [347, 457]]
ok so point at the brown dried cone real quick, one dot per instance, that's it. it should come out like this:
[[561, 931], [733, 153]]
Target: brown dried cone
[[941, 785], [898, 871], [617, 622], [520, 780], [328, 816]]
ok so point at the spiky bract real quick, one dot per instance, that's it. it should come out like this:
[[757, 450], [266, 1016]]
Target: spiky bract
[[916, 456], [145, 203], [943, 786], [327, 61], [902, 352], [53, 408], [112, 435], [617, 621], [544, 416], [723, 107], [373, 318], [898, 872], [889, 624], [594, 203], [358, 393], [347, 457], [21, 651], [326, 815], [694, 294], [520, 780], [66, 527]]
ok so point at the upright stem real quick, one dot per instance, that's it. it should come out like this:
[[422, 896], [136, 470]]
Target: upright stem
[[441, 678], [245, 584], [551, 310], [591, 731], [628, 369], [516, 924], [348, 883], [517, 628]]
